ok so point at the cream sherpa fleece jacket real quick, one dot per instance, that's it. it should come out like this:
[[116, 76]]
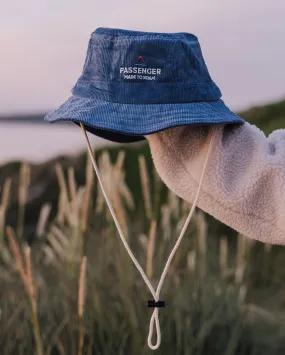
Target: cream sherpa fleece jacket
[[244, 184]]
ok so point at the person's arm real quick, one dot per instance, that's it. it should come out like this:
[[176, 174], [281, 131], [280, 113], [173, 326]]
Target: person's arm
[[244, 185]]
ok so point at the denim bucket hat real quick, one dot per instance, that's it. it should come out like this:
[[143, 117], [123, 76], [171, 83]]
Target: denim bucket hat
[[137, 83]]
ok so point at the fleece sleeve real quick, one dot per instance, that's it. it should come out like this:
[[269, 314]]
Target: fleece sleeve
[[244, 184]]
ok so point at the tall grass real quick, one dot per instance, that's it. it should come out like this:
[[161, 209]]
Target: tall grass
[[74, 290]]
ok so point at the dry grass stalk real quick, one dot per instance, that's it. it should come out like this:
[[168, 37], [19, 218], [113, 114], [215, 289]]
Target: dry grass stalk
[[202, 231], [82, 287], [145, 187], [63, 207], [240, 258], [242, 294], [120, 160], [156, 194], [24, 182], [49, 255], [202, 235], [32, 296], [239, 274], [99, 202], [223, 257], [73, 216], [6, 193], [121, 213], [266, 263], [166, 221], [6, 256], [191, 261], [89, 171], [64, 239], [104, 166], [61, 251], [4, 205], [81, 302], [126, 193], [25, 272], [29, 276], [173, 203], [143, 240], [65, 247], [61, 179], [2, 224], [79, 197], [123, 189], [113, 178], [122, 195], [87, 193], [44, 214], [17, 254], [116, 189], [71, 183], [85, 208], [150, 250]]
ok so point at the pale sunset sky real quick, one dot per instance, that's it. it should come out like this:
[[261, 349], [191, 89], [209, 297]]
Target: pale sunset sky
[[43, 45]]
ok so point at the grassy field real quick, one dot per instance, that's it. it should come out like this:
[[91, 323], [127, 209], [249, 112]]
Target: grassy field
[[69, 287]]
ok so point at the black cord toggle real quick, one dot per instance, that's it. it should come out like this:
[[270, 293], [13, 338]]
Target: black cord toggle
[[154, 304]]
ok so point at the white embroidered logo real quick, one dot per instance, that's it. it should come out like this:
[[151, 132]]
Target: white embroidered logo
[[140, 71]]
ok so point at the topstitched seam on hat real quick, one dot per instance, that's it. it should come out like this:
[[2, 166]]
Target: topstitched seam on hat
[[219, 203]]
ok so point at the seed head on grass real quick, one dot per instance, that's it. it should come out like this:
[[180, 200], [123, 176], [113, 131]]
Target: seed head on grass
[[113, 178], [82, 287]]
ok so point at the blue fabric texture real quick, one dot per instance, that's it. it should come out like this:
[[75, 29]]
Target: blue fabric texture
[[137, 83]]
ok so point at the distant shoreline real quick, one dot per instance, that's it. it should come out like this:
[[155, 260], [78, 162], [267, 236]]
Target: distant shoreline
[[35, 118], [41, 141]]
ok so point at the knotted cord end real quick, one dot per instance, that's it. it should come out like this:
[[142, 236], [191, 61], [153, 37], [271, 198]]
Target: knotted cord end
[[154, 304]]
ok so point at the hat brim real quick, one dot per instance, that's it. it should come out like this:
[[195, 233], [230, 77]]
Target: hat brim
[[130, 123]]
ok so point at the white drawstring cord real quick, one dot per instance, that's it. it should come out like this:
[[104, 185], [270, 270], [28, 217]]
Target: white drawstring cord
[[155, 294]]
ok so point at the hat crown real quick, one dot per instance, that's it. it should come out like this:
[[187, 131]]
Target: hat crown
[[145, 67], [138, 83]]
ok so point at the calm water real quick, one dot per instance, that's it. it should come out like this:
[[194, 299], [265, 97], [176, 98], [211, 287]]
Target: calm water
[[39, 142]]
